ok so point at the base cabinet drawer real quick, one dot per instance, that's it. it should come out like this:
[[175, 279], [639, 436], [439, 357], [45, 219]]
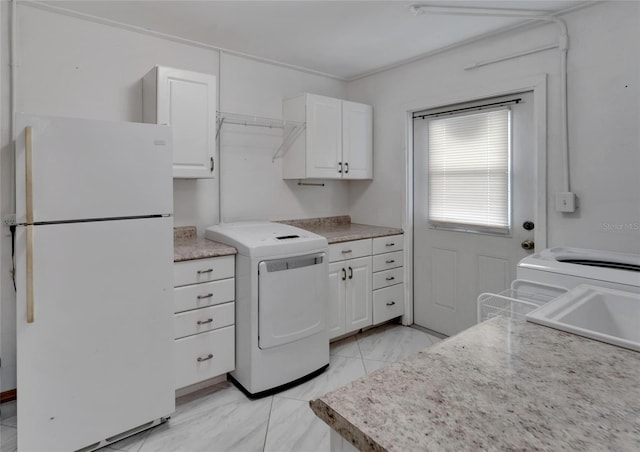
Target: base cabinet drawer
[[388, 244], [388, 260], [203, 270], [202, 320], [349, 250], [388, 278], [388, 303], [204, 356], [202, 295]]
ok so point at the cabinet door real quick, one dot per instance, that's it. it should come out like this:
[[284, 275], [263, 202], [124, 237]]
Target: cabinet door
[[357, 140], [336, 323], [324, 137], [187, 101], [358, 300]]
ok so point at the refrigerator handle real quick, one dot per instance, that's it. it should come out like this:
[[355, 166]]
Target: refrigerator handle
[[29, 274], [28, 159], [28, 141]]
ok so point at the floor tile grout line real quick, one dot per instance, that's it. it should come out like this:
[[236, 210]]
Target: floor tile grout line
[[266, 432]]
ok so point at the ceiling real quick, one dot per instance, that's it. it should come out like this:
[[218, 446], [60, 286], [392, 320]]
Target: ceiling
[[343, 39]]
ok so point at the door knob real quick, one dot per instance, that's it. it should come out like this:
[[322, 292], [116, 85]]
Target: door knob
[[527, 245], [528, 225]]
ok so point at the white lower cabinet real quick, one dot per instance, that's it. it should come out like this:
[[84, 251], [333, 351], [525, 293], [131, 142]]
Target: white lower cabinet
[[204, 319], [350, 307], [204, 356], [388, 278]]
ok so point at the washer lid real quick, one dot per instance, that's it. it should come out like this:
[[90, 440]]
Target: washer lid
[[264, 238], [592, 264]]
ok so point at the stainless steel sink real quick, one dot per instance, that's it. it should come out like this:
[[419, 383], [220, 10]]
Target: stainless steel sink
[[607, 315]]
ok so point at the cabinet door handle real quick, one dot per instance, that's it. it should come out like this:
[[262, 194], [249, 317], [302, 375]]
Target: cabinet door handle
[[346, 251], [344, 274], [206, 358], [350, 273], [208, 270], [340, 167], [204, 322], [346, 165], [212, 165], [390, 261], [202, 297], [390, 303], [390, 278], [390, 244]]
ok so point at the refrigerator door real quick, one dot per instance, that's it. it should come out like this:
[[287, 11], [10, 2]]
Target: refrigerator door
[[98, 358], [86, 169]]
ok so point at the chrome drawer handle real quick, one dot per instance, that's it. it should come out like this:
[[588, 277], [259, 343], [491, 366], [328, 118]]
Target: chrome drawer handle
[[390, 278], [206, 358], [201, 297], [209, 270], [391, 303], [391, 261], [390, 244], [204, 322], [347, 251]]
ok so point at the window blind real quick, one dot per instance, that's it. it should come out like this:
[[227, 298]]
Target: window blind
[[469, 171]]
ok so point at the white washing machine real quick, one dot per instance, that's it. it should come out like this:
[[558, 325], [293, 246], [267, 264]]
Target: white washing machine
[[281, 304], [569, 267]]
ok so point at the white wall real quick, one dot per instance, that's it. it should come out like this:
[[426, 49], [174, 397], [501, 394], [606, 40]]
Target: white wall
[[73, 67], [604, 113]]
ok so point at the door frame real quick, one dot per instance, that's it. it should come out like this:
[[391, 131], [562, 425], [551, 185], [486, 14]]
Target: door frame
[[538, 85]]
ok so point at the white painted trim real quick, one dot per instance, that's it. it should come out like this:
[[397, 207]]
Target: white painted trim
[[537, 84], [168, 37]]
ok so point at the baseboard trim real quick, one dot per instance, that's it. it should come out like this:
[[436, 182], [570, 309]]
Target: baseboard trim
[[8, 396]]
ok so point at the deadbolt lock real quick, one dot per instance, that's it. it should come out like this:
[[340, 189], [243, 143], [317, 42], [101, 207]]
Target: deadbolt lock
[[528, 225]]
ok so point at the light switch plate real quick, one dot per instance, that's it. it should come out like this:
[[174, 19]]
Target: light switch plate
[[565, 201]]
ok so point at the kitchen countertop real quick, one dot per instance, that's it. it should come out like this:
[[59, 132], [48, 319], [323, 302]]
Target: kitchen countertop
[[501, 385], [187, 246], [341, 229]]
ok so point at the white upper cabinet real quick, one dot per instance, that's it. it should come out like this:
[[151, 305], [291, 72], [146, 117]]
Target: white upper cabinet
[[357, 140], [186, 101], [337, 143]]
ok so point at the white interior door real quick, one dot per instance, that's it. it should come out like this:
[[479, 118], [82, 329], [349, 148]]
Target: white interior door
[[451, 268], [98, 358]]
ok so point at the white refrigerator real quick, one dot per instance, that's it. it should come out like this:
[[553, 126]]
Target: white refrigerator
[[93, 270]]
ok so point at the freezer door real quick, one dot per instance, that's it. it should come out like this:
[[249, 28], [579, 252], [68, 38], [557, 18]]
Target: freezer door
[[98, 358], [292, 299], [88, 169]]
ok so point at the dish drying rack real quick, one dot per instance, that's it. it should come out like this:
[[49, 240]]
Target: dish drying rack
[[516, 302]]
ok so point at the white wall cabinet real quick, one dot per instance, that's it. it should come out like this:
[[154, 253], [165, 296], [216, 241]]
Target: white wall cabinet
[[350, 280], [337, 142], [186, 101], [204, 319]]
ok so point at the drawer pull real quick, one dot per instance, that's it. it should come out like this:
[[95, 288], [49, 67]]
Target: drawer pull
[[202, 297], [390, 244], [391, 261], [390, 303], [206, 358], [390, 278], [204, 322], [346, 251], [208, 270]]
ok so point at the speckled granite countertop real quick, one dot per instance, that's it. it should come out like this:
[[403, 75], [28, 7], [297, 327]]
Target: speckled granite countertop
[[341, 229], [503, 385], [187, 246]]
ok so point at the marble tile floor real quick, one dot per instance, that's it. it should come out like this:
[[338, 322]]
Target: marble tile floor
[[221, 418]]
